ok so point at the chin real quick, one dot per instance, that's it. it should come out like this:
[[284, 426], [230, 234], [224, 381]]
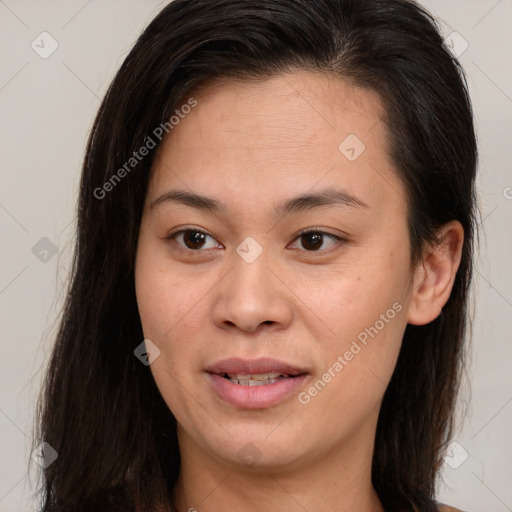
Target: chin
[[257, 450]]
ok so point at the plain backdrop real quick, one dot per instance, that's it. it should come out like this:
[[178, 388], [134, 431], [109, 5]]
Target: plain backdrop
[[47, 106]]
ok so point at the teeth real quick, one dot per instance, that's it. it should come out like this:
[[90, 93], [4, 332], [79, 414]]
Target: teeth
[[256, 379], [251, 382], [256, 376]]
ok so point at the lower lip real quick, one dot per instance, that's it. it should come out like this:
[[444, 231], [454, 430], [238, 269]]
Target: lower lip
[[255, 397]]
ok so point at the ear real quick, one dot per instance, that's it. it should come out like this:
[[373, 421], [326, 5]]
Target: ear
[[435, 275]]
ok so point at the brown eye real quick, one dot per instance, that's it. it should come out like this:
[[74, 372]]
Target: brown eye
[[194, 239], [191, 239], [313, 240]]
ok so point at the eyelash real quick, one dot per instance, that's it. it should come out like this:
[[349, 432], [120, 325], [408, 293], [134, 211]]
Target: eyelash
[[171, 236]]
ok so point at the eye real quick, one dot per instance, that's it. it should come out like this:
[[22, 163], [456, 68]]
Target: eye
[[192, 239], [313, 239]]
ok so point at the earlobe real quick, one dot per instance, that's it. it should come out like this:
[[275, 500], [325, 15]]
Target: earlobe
[[435, 275]]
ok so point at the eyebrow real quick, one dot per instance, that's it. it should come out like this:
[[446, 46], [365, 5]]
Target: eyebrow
[[305, 202]]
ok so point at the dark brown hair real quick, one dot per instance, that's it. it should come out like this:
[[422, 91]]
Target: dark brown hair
[[100, 408]]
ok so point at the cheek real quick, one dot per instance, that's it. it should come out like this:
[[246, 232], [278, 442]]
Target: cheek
[[364, 309], [172, 308], [167, 308], [349, 299], [165, 298], [357, 366]]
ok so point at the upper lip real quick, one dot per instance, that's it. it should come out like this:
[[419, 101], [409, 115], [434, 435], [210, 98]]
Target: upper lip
[[263, 365]]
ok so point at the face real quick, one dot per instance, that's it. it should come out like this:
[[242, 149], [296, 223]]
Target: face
[[276, 345]]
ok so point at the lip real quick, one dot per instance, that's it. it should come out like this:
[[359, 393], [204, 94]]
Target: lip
[[261, 365], [254, 397]]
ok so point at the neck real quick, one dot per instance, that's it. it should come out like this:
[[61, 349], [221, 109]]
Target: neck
[[336, 482]]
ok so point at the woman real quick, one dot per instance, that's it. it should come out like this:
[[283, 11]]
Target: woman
[[268, 299]]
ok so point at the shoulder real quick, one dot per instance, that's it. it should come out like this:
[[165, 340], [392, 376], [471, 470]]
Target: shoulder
[[446, 508]]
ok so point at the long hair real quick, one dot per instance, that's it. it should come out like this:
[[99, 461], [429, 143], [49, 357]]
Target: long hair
[[100, 409]]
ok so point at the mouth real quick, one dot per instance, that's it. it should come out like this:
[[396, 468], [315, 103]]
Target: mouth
[[255, 372], [253, 384]]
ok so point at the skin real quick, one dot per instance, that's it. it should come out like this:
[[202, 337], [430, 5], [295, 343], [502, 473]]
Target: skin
[[252, 146]]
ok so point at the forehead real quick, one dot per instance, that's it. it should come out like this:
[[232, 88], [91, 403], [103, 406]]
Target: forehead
[[278, 137]]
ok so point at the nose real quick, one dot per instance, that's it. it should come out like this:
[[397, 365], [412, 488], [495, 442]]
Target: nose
[[253, 296]]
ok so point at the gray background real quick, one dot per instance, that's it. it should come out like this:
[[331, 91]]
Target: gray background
[[46, 110]]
